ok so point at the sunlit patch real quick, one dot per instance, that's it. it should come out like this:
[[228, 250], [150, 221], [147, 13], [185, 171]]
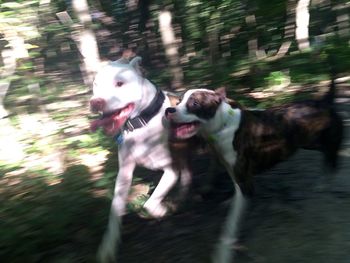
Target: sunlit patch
[[111, 122], [185, 130]]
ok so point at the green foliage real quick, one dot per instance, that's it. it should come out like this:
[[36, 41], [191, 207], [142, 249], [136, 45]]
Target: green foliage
[[276, 78]]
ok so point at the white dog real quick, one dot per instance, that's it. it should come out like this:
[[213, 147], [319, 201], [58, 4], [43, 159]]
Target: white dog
[[132, 109]]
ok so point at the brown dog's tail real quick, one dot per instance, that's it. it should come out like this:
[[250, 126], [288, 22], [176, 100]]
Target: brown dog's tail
[[330, 96]]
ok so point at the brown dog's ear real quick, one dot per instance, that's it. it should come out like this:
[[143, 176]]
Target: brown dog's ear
[[221, 92], [216, 98]]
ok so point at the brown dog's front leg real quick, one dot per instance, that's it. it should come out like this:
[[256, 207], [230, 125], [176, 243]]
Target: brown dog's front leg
[[229, 235]]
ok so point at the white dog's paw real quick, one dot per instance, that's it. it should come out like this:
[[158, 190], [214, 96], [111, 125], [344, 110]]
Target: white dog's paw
[[155, 210], [107, 252]]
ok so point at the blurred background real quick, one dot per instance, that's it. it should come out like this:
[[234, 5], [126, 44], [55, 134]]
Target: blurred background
[[57, 178]]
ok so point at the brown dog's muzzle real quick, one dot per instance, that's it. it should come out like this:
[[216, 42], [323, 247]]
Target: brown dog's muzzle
[[97, 104]]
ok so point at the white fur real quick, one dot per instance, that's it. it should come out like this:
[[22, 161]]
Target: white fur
[[220, 131], [146, 146]]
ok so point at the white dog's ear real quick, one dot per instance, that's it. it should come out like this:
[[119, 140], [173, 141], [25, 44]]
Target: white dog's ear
[[136, 64], [221, 92]]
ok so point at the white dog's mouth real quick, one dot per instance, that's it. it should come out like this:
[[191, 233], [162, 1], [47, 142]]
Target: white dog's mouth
[[185, 130], [111, 122]]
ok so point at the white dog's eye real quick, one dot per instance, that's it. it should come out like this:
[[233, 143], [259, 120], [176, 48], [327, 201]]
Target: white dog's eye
[[119, 84]]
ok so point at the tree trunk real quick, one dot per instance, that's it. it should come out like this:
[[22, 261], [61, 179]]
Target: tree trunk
[[253, 42], [302, 24], [86, 41], [343, 20], [213, 39], [16, 50], [9, 61], [171, 49]]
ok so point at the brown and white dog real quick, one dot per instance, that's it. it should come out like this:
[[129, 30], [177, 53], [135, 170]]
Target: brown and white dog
[[250, 141]]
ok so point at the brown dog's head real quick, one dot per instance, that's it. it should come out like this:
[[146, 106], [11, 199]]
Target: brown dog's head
[[196, 107]]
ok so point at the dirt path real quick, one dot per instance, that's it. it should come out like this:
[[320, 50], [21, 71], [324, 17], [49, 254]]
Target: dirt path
[[290, 219]]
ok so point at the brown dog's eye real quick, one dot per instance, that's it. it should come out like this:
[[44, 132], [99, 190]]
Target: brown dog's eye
[[195, 103], [119, 84]]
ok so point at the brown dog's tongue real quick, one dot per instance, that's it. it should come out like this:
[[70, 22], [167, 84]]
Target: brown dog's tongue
[[181, 130]]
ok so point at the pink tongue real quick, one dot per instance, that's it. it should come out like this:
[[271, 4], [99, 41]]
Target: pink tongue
[[109, 124], [94, 125], [183, 130]]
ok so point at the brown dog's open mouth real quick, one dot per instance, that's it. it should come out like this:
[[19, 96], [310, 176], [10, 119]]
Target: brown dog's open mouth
[[111, 122], [184, 130]]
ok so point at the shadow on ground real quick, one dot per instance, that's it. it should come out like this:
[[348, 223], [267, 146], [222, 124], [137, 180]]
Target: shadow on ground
[[62, 222]]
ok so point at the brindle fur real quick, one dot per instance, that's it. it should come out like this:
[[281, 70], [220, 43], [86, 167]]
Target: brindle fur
[[265, 138], [203, 104]]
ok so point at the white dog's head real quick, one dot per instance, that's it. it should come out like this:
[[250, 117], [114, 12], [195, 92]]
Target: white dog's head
[[197, 107], [117, 90]]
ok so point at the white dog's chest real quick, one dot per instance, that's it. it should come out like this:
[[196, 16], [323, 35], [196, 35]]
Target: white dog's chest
[[148, 145]]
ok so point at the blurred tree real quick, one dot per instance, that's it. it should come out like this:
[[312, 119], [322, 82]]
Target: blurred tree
[[288, 30], [171, 48], [9, 61], [16, 29], [85, 39], [302, 24]]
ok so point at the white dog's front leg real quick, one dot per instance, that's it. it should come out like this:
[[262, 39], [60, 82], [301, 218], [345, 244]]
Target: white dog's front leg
[[108, 248], [229, 235], [153, 204]]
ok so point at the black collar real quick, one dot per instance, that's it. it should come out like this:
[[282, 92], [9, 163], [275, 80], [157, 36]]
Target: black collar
[[147, 114]]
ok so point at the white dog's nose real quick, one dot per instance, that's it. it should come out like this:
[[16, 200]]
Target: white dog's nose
[[97, 104]]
